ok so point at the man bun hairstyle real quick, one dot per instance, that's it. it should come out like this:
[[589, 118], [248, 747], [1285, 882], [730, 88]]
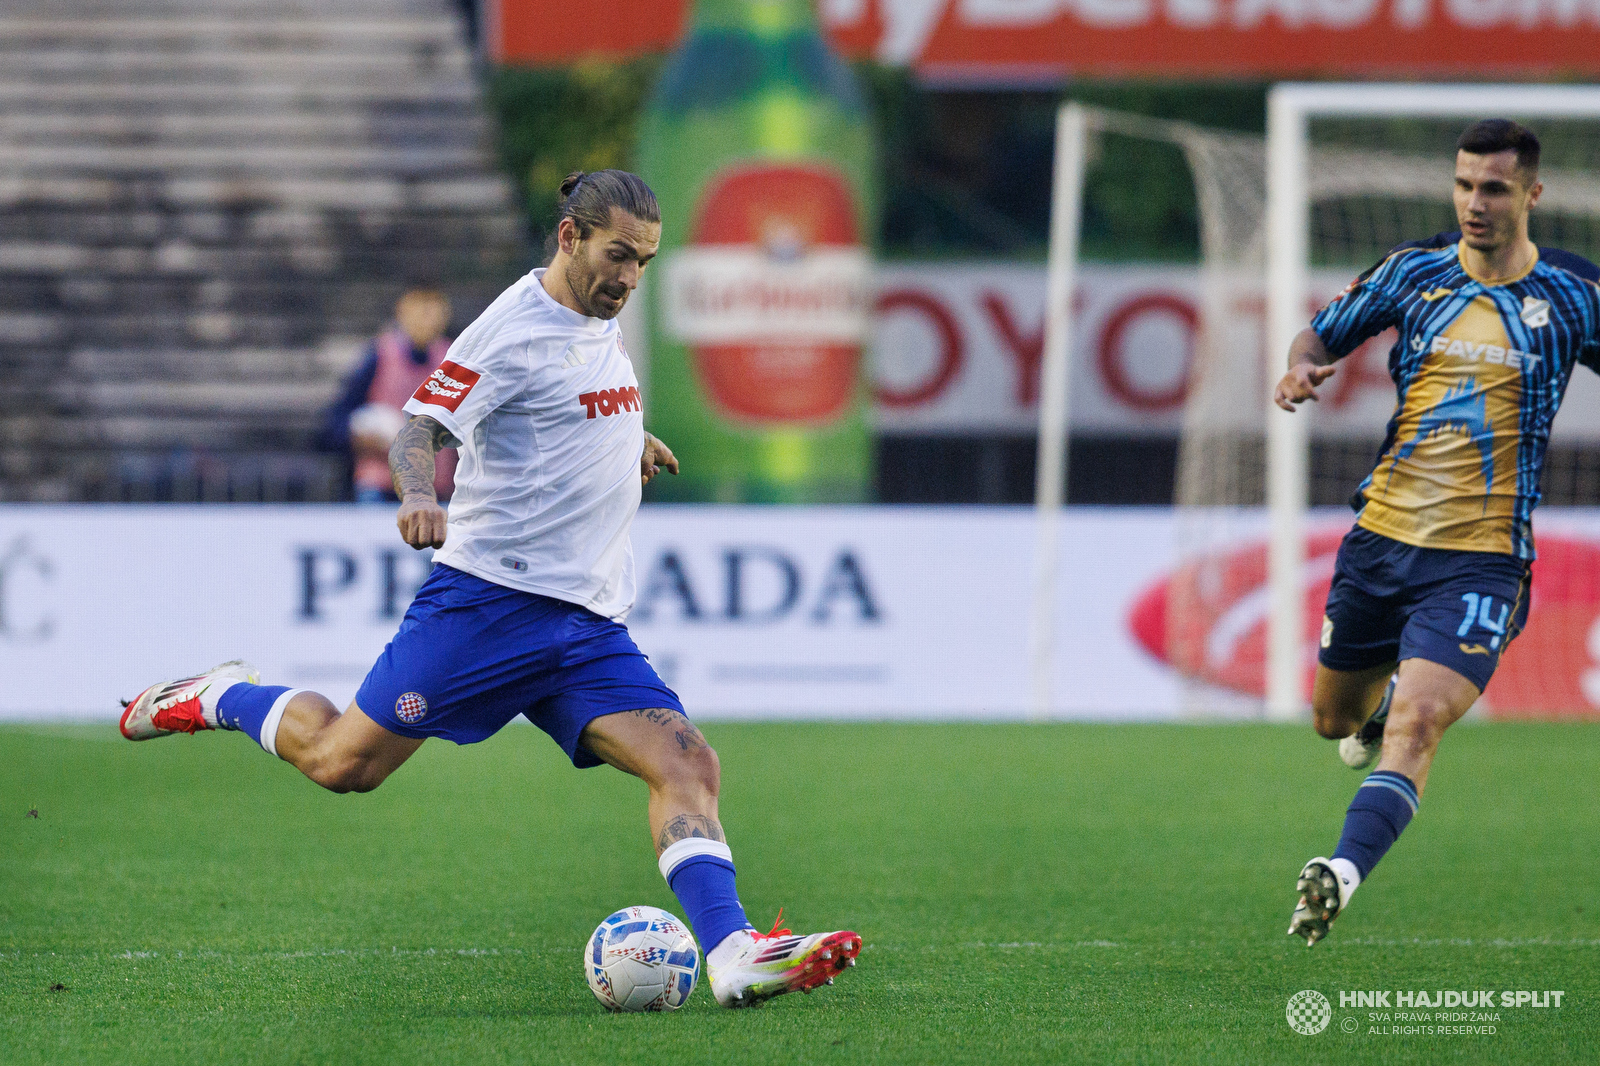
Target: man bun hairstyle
[[1502, 135], [587, 198]]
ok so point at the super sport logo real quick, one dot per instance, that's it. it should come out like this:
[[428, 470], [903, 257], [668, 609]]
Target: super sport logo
[[610, 401], [447, 386]]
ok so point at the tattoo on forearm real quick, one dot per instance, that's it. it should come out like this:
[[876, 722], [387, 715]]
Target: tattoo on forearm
[[687, 826], [411, 454]]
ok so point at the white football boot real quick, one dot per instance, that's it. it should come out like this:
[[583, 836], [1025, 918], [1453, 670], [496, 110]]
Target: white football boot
[[1323, 894], [1359, 749], [169, 707], [770, 964]]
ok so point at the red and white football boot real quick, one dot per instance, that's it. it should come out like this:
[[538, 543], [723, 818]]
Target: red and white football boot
[[170, 707], [770, 964]]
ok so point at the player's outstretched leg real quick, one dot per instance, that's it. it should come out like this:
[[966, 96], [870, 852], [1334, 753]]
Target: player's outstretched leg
[[341, 752], [664, 748], [186, 705], [1427, 699]]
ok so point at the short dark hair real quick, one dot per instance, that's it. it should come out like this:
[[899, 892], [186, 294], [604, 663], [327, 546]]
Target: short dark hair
[[1502, 135], [587, 198]]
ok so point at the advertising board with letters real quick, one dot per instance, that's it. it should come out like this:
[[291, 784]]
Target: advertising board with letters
[[1007, 42], [957, 349], [748, 612]]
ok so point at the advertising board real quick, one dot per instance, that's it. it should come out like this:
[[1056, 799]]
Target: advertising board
[[748, 612], [1009, 42]]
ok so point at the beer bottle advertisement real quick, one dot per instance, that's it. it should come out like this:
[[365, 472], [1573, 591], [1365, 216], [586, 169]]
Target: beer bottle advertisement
[[759, 146]]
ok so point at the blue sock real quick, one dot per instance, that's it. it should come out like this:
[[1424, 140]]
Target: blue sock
[[245, 707], [1378, 815], [700, 872]]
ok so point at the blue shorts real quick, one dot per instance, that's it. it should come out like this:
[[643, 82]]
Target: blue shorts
[[472, 655], [1391, 601]]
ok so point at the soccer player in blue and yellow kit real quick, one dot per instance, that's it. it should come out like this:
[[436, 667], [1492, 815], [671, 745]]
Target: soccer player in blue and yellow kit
[[1432, 583]]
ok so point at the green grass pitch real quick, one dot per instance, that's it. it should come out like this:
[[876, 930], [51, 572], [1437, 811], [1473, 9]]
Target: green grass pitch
[[1026, 893]]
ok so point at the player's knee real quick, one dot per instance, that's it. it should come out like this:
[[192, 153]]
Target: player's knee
[[1419, 720], [1332, 722], [1333, 718], [696, 770]]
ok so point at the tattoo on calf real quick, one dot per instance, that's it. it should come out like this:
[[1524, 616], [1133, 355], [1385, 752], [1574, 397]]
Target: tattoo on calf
[[686, 827]]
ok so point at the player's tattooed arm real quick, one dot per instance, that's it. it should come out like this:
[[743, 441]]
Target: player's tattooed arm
[[421, 520], [687, 826]]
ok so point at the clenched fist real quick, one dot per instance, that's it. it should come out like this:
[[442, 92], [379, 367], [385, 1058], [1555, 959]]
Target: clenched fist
[[422, 522]]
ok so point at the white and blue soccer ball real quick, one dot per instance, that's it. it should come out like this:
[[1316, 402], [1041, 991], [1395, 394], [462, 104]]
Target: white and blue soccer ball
[[641, 958]]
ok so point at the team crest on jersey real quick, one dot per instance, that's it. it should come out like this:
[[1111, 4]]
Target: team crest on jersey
[[411, 708], [1535, 313]]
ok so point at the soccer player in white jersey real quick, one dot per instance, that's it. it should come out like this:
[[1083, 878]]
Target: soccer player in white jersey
[[522, 613]]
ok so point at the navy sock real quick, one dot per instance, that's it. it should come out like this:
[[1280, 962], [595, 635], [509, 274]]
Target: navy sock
[[1378, 815], [245, 707], [704, 884]]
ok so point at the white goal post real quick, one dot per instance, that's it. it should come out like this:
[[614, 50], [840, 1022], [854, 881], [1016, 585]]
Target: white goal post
[[1226, 169], [1290, 110]]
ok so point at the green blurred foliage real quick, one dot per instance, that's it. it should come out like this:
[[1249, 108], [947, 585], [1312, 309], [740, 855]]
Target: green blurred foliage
[[968, 173], [554, 120], [964, 173], [1139, 199]]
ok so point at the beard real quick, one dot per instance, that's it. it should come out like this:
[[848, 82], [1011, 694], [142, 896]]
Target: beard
[[581, 282]]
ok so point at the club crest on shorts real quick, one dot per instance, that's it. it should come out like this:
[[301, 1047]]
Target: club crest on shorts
[[411, 708]]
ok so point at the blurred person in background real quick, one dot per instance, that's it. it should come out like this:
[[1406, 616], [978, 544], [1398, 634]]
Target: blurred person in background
[[367, 417]]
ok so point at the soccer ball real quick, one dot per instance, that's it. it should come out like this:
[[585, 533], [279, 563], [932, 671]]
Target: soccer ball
[[641, 958]]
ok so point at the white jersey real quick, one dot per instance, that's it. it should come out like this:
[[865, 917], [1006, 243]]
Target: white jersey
[[546, 406]]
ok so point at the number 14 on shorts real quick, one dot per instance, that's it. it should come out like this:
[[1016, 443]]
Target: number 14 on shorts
[[1480, 609]]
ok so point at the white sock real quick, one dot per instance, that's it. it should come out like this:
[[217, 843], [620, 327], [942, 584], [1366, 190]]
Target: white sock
[[208, 699], [1348, 875], [728, 948], [269, 725]]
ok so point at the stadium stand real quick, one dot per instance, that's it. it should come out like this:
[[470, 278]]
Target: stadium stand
[[206, 207]]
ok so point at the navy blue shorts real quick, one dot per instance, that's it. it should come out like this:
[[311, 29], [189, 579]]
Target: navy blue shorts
[[472, 655], [1391, 601]]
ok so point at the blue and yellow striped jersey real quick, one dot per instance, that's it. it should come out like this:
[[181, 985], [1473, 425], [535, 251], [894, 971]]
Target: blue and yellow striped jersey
[[1480, 370]]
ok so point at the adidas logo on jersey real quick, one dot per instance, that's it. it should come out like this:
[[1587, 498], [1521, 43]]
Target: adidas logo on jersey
[[574, 358], [608, 402], [1489, 353]]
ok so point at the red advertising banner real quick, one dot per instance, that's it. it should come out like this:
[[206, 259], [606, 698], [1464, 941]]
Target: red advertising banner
[[1207, 619], [1011, 41]]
